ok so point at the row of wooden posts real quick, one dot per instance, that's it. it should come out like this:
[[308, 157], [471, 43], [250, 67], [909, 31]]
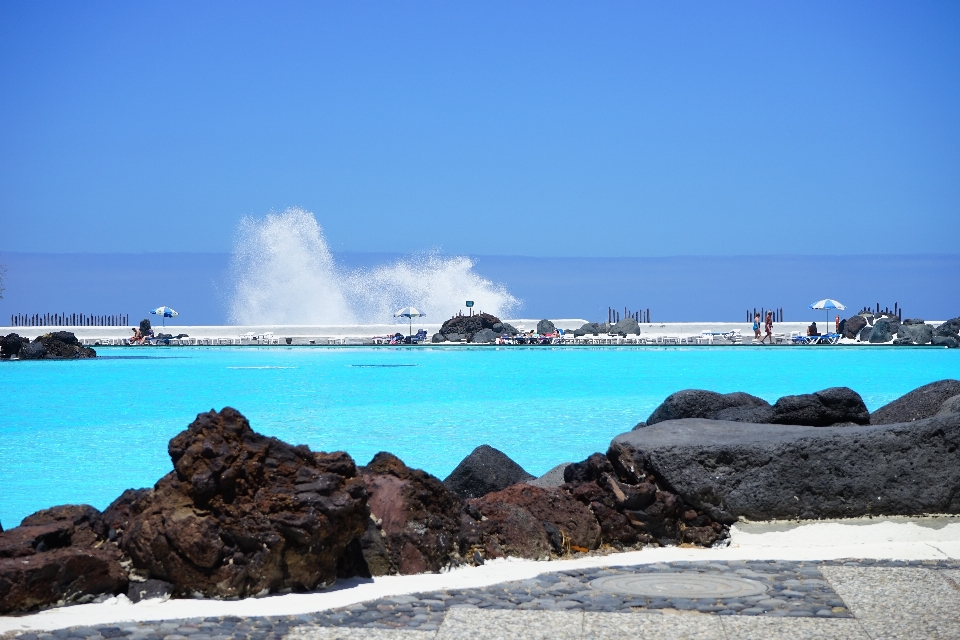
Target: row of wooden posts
[[68, 320], [613, 315], [896, 311], [777, 314]]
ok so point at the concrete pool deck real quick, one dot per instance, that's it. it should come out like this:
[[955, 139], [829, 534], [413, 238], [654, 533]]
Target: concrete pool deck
[[904, 583]]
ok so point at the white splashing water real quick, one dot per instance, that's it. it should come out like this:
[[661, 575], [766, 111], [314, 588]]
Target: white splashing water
[[285, 274]]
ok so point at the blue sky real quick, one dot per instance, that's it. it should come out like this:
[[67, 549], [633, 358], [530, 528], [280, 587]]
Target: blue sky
[[495, 128]]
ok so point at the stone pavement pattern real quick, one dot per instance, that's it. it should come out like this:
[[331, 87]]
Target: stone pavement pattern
[[844, 599]]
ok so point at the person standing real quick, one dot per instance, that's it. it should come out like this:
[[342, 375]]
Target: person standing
[[768, 328], [756, 326]]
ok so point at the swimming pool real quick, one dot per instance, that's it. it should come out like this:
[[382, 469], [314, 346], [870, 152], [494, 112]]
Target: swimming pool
[[85, 430]]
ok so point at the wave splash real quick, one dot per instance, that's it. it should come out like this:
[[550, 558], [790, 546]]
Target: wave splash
[[285, 274]]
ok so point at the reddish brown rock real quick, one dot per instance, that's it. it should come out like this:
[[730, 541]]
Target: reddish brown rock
[[511, 530], [65, 575], [57, 555], [574, 521], [243, 514], [416, 519]]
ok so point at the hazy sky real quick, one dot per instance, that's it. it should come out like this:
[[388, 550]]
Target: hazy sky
[[498, 128]]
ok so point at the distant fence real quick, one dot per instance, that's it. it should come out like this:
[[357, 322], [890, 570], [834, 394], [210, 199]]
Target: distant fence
[[613, 315], [777, 314], [896, 311], [68, 320]]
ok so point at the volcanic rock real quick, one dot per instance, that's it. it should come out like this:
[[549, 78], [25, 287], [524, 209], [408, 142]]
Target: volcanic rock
[[438, 337], [466, 326], [505, 327], [11, 344], [484, 336], [552, 478], [33, 351], [483, 471], [884, 329], [416, 516], [764, 472], [865, 334], [545, 326], [556, 511], [243, 514], [951, 405], [945, 341], [696, 403], [920, 403], [627, 326], [57, 555], [917, 331], [852, 326], [949, 329], [64, 575], [820, 409], [149, 589]]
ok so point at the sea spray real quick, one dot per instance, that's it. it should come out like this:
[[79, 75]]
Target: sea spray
[[285, 274]]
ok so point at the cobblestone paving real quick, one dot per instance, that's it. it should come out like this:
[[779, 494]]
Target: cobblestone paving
[[794, 589]]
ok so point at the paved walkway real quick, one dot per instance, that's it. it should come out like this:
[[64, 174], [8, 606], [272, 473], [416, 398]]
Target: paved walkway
[[776, 599]]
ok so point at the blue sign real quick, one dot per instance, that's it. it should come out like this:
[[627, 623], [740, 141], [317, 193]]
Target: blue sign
[[469, 303]]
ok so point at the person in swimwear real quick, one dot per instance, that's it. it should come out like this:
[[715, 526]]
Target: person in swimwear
[[768, 328], [756, 326]]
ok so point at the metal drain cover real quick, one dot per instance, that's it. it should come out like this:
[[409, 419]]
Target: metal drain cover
[[680, 585]]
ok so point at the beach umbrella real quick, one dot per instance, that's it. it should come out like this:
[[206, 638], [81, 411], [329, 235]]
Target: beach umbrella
[[827, 304], [165, 312], [410, 313]]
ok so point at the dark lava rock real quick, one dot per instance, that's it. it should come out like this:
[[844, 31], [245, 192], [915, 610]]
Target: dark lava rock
[[949, 329], [950, 405], [920, 403], [762, 472], [865, 334], [545, 326], [149, 589], [910, 321], [884, 329], [696, 403], [416, 516], [483, 471], [484, 336], [63, 575], [627, 326], [59, 344], [243, 514], [501, 328], [438, 337], [917, 331], [904, 341], [58, 555], [590, 328], [33, 351], [554, 510], [11, 344], [852, 326], [466, 326], [945, 341], [746, 414], [821, 409], [552, 478]]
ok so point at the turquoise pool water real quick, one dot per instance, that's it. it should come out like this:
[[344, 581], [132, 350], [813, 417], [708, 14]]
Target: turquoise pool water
[[83, 431]]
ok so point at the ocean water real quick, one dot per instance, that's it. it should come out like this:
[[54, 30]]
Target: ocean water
[[83, 431]]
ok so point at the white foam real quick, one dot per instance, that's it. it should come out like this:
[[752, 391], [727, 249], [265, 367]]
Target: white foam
[[285, 274]]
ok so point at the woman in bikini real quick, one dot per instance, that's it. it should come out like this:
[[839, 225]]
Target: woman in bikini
[[756, 326]]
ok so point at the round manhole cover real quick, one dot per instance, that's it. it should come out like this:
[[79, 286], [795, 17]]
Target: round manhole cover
[[680, 585]]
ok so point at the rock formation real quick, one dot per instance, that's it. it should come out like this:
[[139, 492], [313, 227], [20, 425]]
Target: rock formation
[[545, 326], [625, 327], [11, 344], [243, 514], [884, 329], [484, 471], [920, 403], [415, 519], [762, 471], [852, 326], [58, 345], [831, 406], [464, 327], [697, 403], [58, 555], [916, 331]]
